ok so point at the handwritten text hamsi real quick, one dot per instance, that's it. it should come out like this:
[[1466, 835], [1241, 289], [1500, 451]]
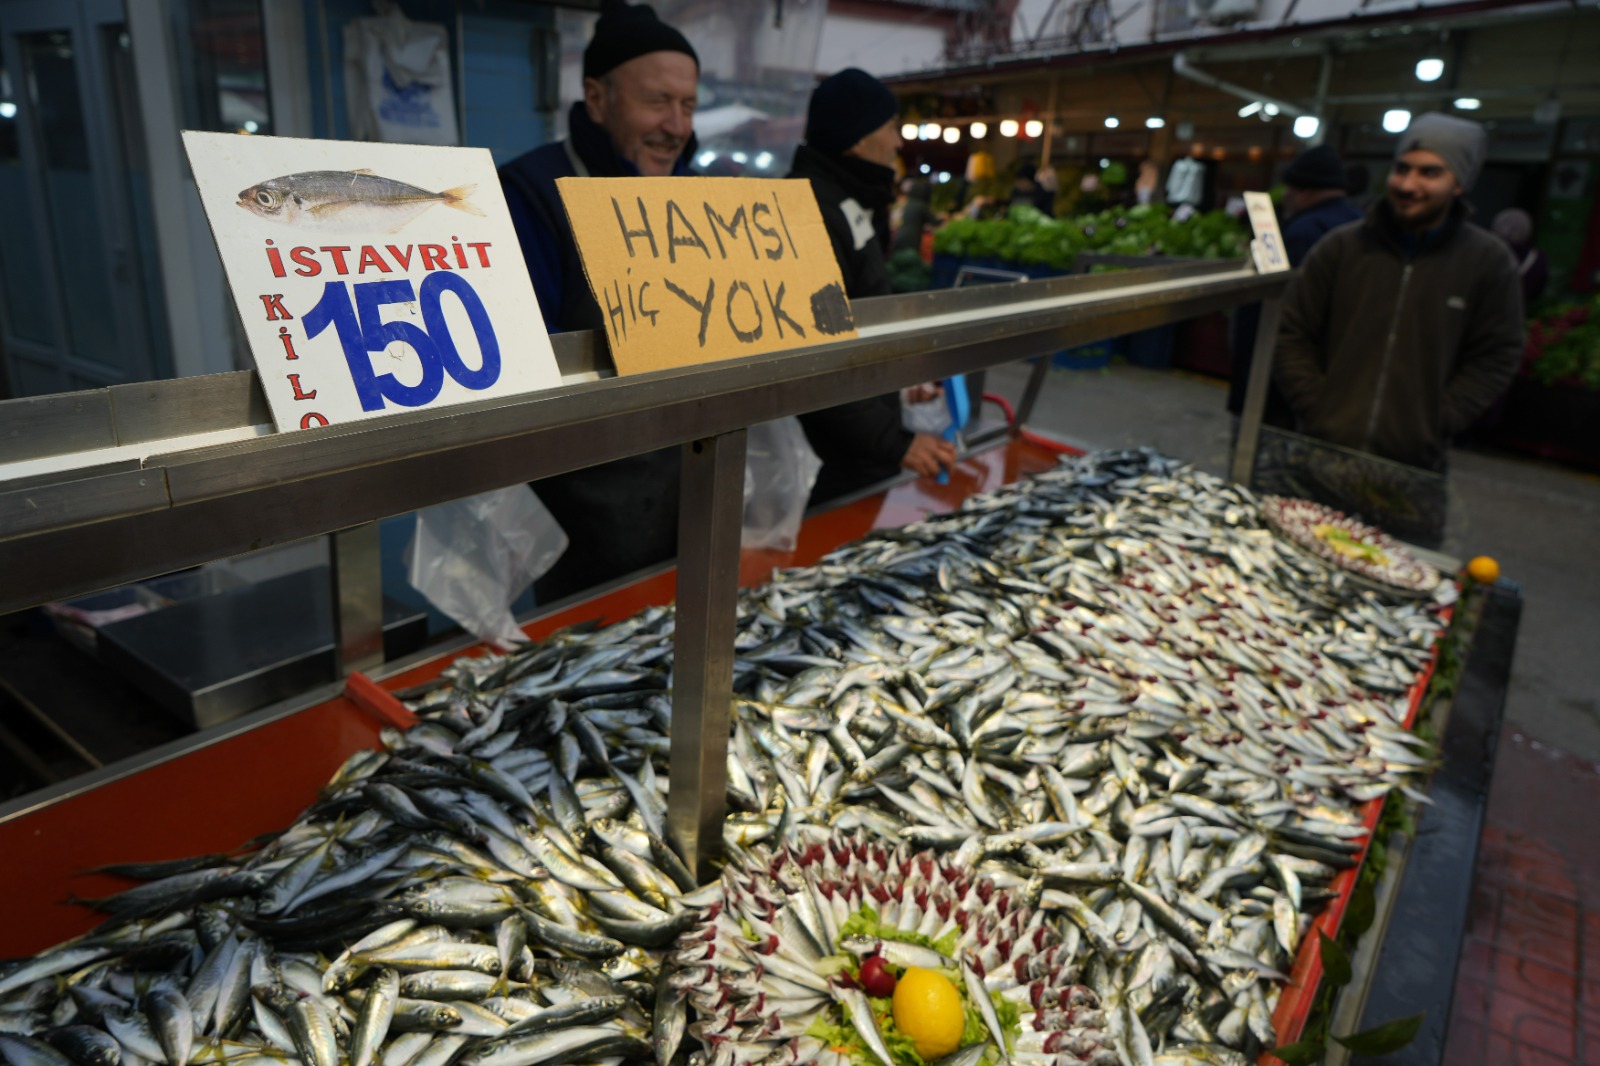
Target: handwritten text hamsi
[[691, 270]]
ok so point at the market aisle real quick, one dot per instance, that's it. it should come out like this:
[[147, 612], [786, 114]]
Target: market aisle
[[1528, 987]]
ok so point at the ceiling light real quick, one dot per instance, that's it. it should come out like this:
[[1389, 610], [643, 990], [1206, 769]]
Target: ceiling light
[[740, 158], [908, 132], [764, 160], [952, 134], [705, 159], [1272, 110], [1306, 127], [1430, 68], [1468, 103], [1104, 163], [1033, 127], [1008, 127], [979, 129], [925, 168], [1112, 122], [931, 131], [944, 176], [1396, 121], [1154, 122], [1249, 109], [250, 124]]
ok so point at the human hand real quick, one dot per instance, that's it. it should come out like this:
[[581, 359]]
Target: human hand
[[929, 455], [923, 393]]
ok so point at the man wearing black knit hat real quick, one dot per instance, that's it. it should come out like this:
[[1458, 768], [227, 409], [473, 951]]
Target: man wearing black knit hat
[[1400, 330], [636, 118], [852, 137]]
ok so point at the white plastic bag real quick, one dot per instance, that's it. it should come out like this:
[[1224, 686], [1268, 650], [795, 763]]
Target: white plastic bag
[[779, 470], [472, 558], [397, 80]]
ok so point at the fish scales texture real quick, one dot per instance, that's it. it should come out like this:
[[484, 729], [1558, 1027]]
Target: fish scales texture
[[1109, 696]]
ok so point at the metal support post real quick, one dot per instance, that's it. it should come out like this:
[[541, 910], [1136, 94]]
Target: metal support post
[[355, 567], [1255, 391], [1030, 393], [711, 511]]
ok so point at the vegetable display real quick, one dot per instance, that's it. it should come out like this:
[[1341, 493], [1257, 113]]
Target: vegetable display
[[1029, 237]]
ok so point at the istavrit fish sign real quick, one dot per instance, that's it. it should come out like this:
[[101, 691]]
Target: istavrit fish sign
[[371, 278]]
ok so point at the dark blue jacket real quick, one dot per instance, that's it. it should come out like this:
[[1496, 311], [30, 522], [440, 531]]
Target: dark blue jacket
[[1315, 222], [619, 516]]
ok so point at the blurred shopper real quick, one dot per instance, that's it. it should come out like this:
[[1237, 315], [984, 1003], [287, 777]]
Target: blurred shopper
[[1400, 330], [916, 214], [640, 79], [1026, 189], [1357, 182], [1515, 227], [1314, 204], [851, 140]]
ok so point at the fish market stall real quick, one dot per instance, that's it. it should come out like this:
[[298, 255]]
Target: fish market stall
[[1077, 765]]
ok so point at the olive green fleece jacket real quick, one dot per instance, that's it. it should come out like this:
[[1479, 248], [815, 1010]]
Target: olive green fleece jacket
[[1394, 352]]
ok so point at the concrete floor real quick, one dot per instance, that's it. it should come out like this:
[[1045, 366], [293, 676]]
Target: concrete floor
[[1539, 519]]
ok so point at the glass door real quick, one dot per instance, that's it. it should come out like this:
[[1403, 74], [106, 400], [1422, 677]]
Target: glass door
[[78, 284]]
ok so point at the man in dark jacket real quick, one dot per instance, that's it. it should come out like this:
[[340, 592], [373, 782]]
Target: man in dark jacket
[[848, 155], [1400, 330], [640, 78]]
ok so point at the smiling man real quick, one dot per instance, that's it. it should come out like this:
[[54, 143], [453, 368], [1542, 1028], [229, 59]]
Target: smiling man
[[636, 118], [1402, 328]]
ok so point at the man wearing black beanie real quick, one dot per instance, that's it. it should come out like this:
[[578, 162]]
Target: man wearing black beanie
[[852, 137], [640, 81]]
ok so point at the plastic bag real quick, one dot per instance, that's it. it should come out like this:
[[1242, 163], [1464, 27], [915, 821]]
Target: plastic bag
[[779, 470], [398, 82], [472, 558]]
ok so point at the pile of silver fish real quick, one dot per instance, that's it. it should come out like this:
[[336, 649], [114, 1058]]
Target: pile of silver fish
[[1109, 692]]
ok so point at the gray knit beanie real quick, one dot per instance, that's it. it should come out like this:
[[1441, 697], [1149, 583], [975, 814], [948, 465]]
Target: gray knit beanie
[[1460, 143]]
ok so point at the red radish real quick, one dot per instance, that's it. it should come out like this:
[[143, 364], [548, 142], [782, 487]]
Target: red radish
[[876, 977]]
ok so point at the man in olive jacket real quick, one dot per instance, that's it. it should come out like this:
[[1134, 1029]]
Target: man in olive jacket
[[1402, 328]]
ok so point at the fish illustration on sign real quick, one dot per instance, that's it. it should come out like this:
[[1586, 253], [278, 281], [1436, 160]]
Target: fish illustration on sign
[[347, 201]]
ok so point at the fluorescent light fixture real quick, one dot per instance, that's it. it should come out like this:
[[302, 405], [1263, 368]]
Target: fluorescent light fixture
[[908, 132], [1154, 122], [764, 160], [1430, 68], [979, 129], [1112, 122], [705, 159], [1306, 127], [931, 131], [1465, 103], [1033, 128], [1249, 109], [952, 134], [740, 158], [8, 109], [925, 168], [1008, 127], [1396, 121]]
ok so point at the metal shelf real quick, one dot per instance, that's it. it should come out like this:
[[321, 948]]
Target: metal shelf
[[122, 504]]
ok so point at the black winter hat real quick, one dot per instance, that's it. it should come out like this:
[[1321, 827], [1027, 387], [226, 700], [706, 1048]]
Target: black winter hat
[[1316, 168], [845, 108], [628, 31]]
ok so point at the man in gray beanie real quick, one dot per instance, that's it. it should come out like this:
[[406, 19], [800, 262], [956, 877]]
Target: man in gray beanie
[[1401, 329]]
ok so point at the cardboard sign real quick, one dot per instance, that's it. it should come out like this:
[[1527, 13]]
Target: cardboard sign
[[371, 278], [691, 270], [1267, 249]]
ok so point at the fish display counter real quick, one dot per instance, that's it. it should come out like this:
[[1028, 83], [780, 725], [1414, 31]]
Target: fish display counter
[[1074, 760]]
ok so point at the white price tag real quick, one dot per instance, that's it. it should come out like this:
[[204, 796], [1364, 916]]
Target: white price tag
[[1267, 249], [371, 278]]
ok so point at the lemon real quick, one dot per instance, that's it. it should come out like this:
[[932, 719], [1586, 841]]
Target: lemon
[[928, 1010], [1484, 570]]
